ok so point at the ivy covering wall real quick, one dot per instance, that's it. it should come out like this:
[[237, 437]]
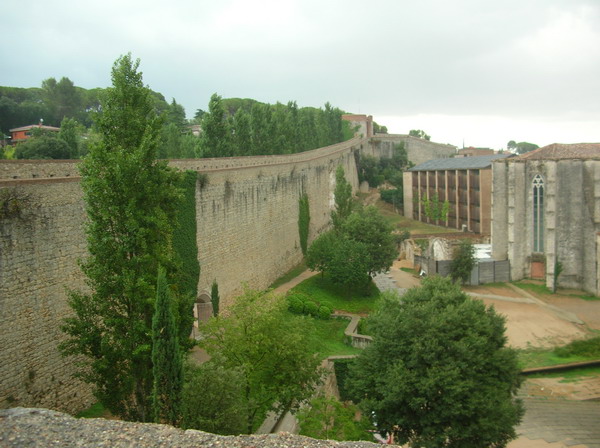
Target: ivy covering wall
[[184, 236]]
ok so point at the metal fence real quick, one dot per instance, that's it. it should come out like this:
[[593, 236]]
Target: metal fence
[[485, 271]]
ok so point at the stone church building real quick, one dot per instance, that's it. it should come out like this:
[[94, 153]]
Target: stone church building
[[546, 209]]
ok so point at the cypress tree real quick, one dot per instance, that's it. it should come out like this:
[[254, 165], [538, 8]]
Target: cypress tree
[[214, 295], [167, 365]]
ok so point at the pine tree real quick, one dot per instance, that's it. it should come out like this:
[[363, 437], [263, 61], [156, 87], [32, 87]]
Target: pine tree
[[167, 364]]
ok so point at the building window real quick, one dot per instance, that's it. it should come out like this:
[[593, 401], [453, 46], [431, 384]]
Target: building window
[[538, 213]]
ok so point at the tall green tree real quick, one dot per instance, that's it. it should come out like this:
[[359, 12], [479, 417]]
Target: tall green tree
[[271, 351], [213, 399], [303, 222], [419, 134], [216, 136], [463, 262], [243, 135], [167, 366], [62, 99], [362, 247], [261, 128], [438, 373], [368, 226], [214, 297], [343, 199], [131, 201], [70, 132]]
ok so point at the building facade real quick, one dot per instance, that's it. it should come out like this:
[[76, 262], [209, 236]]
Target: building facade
[[465, 182], [546, 213]]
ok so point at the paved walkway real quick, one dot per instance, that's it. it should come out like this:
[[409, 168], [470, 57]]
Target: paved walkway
[[559, 423]]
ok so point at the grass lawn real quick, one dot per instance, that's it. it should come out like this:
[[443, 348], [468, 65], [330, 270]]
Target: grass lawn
[[321, 289], [576, 351], [571, 376], [538, 357], [330, 339], [539, 288], [96, 410]]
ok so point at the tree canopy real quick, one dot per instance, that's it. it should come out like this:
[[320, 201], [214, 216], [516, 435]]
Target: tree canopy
[[270, 350], [521, 147], [361, 247], [438, 373], [419, 134]]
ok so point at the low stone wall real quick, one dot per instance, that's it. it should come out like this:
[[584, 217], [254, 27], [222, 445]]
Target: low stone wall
[[22, 427], [356, 340]]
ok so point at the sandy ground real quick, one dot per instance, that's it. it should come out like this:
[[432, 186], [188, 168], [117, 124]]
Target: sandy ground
[[532, 325], [530, 321]]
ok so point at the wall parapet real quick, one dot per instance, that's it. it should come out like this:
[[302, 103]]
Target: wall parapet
[[47, 169]]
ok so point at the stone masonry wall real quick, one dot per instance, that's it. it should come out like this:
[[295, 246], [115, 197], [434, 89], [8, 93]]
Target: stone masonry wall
[[38, 262], [418, 149], [247, 232], [571, 219]]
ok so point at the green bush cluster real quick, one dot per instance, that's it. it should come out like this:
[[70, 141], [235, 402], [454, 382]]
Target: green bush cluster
[[299, 303]]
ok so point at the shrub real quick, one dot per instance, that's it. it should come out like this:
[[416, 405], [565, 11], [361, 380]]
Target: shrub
[[327, 303], [311, 308], [324, 312], [393, 196], [295, 305]]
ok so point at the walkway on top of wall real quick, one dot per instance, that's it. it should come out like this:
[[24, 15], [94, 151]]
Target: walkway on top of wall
[[36, 171]]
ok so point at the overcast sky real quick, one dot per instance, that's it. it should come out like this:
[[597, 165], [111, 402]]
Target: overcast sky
[[480, 72]]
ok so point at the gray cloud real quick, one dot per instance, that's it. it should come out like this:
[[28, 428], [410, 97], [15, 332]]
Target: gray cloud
[[522, 60]]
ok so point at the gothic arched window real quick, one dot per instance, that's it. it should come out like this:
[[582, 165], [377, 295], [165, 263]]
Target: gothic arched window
[[538, 213]]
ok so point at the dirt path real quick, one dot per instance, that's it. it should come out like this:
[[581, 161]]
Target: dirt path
[[293, 282]]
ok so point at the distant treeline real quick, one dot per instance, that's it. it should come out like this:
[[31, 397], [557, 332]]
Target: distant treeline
[[231, 127]]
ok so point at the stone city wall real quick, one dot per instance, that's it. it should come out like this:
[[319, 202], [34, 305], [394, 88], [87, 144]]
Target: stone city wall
[[39, 250], [247, 216]]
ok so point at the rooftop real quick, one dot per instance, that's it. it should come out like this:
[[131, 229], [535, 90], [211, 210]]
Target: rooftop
[[32, 126], [459, 163], [559, 151]]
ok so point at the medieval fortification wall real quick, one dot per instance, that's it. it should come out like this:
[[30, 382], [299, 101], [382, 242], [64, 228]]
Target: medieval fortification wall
[[247, 217]]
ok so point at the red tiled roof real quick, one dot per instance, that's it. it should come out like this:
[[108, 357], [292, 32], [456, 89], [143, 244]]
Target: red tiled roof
[[558, 151]]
